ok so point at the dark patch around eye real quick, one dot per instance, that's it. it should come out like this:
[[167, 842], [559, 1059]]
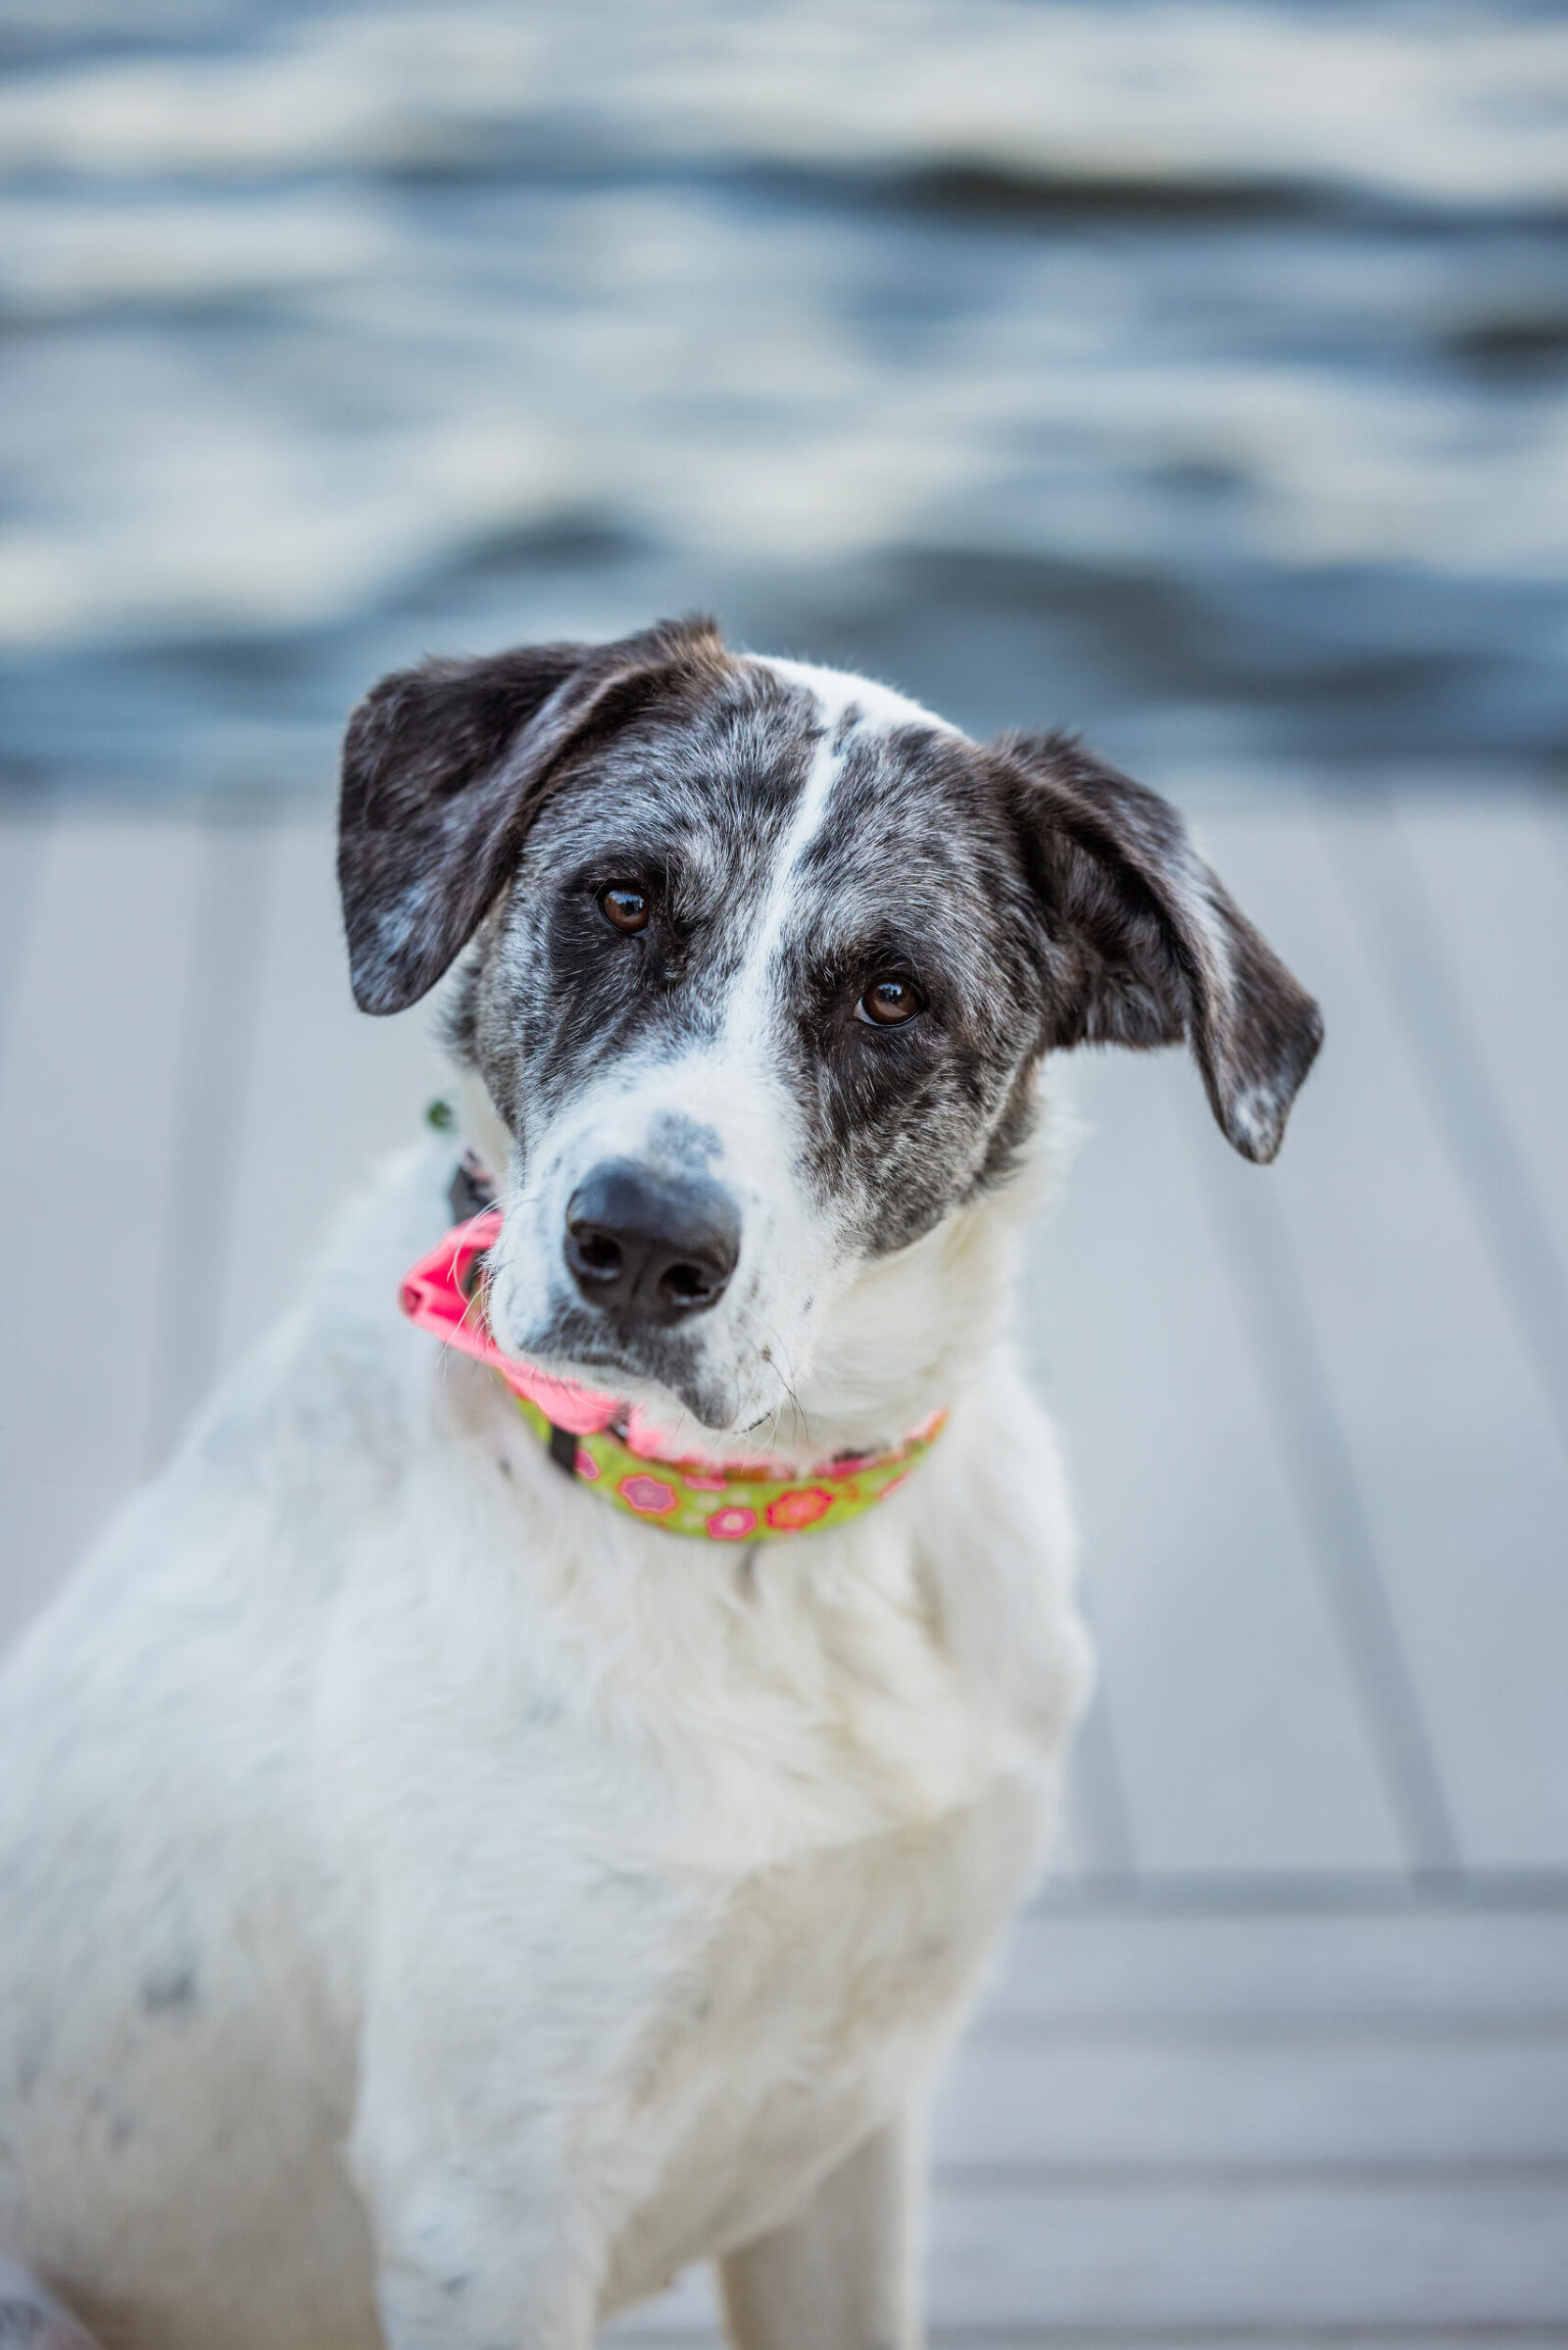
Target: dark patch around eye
[[904, 1116], [690, 818]]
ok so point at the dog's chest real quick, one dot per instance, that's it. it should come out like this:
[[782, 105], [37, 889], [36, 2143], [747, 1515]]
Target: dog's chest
[[788, 1814], [822, 1993]]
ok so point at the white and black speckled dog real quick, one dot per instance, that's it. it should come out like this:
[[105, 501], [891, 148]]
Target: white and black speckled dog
[[436, 1906]]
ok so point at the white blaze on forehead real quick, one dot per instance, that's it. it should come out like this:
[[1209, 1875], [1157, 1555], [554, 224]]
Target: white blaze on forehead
[[833, 692]]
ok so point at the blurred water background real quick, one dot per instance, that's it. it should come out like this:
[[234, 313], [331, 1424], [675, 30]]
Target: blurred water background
[[1197, 374]]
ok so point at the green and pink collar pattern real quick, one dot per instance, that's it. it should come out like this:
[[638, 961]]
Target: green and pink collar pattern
[[607, 1445]]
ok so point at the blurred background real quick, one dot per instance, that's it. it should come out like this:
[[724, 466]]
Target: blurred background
[[1196, 372], [1193, 374]]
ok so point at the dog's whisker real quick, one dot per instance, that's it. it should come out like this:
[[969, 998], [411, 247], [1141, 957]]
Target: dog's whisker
[[785, 1371]]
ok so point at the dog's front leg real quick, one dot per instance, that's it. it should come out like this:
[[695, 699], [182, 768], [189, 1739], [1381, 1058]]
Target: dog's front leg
[[481, 2240], [842, 2275], [459, 2272]]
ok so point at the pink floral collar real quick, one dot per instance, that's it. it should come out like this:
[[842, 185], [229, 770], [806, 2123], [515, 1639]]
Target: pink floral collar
[[608, 1445]]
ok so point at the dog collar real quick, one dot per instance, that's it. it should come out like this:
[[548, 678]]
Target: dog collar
[[607, 1444]]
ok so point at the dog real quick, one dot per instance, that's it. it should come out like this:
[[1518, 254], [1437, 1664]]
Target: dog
[[525, 1800]]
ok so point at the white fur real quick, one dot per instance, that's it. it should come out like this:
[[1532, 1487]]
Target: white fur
[[437, 1908]]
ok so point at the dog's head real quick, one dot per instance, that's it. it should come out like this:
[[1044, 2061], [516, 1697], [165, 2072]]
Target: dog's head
[[757, 965]]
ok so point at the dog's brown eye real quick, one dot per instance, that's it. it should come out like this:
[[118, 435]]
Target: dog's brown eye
[[887, 1002], [627, 908]]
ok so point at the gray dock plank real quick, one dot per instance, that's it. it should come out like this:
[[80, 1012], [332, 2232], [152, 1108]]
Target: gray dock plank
[[1476, 941], [1420, 1969], [1255, 2255], [1213, 1637], [1132, 2102], [330, 1091], [24, 829], [1454, 1456], [88, 1150], [1495, 878], [233, 890], [1312, 1440], [1456, 1065]]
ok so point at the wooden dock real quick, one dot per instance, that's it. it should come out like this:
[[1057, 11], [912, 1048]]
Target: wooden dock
[[1281, 2053]]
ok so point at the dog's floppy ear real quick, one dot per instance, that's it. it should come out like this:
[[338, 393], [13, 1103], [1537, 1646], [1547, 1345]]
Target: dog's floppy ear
[[1142, 943], [443, 767]]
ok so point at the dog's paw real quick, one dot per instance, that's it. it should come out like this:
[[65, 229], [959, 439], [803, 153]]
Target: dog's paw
[[31, 2318]]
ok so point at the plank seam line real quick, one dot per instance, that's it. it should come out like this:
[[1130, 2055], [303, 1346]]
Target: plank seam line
[[1302, 1893], [1288, 2334], [1349, 2334], [1331, 2175], [1265, 2028]]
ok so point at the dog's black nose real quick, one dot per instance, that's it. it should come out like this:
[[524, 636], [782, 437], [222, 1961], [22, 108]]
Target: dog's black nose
[[651, 1248]]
